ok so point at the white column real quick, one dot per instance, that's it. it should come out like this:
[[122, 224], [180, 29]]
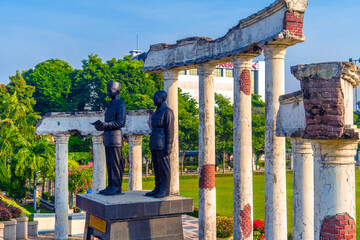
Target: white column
[[99, 169], [61, 187], [303, 189], [207, 191], [275, 167], [171, 87], [334, 188], [243, 161], [135, 162]]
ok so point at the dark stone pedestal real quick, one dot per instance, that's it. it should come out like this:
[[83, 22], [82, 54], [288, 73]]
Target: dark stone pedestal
[[133, 216]]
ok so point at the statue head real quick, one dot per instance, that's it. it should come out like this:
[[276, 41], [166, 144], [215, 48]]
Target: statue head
[[159, 98], [113, 89]]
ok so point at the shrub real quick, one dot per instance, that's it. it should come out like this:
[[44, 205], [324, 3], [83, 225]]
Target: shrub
[[5, 202], [45, 196], [15, 212], [224, 227], [195, 213], [5, 214], [52, 199], [80, 178], [259, 229], [262, 164], [76, 209], [82, 158]]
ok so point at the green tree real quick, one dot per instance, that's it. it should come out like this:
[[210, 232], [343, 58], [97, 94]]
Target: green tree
[[137, 87], [188, 124], [17, 119], [19, 146], [52, 80], [224, 113], [258, 125]]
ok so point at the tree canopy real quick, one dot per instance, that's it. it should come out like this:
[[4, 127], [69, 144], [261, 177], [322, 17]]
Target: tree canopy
[[137, 88], [52, 80]]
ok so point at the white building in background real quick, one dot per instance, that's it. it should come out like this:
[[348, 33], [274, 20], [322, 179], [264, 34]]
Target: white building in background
[[224, 81]]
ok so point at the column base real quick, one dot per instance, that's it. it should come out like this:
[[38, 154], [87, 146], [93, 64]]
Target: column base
[[133, 216]]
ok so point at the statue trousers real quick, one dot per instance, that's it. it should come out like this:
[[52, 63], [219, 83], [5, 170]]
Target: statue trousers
[[162, 170], [114, 165]]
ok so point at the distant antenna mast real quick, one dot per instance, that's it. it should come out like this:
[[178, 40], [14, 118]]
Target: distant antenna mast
[[137, 42]]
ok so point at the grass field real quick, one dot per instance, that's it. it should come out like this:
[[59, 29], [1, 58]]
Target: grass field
[[30, 208], [224, 195]]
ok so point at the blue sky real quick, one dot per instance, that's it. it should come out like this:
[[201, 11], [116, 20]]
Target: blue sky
[[37, 30]]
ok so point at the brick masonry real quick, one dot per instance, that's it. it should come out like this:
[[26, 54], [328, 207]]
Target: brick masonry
[[293, 22], [339, 226], [207, 176], [246, 224], [324, 108], [245, 81]]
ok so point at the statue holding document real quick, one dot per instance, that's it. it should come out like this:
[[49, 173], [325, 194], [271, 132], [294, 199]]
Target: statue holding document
[[115, 118]]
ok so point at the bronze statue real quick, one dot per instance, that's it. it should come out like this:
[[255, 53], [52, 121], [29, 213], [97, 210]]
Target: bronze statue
[[115, 118], [161, 140]]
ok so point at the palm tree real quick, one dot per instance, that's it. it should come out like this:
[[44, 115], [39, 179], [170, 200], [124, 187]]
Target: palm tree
[[36, 155]]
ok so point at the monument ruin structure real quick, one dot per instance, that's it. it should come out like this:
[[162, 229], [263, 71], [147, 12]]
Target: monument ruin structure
[[319, 121], [61, 125], [270, 31]]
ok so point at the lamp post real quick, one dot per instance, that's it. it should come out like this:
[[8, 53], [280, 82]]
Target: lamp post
[[356, 95]]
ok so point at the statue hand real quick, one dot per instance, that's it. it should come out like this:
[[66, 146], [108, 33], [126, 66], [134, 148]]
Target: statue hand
[[99, 125]]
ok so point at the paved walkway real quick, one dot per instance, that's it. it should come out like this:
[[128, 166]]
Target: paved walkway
[[190, 226]]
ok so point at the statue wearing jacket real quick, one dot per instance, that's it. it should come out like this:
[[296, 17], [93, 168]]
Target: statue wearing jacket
[[161, 140], [115, 118]]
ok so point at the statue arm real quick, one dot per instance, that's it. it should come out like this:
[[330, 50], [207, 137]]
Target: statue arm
[[120, 119], [169, 131]]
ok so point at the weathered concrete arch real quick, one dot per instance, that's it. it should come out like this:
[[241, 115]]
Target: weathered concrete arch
[[65, 123], [282, 22]]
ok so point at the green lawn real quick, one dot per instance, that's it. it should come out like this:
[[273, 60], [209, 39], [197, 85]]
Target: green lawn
[[30, 208], [224, 196]]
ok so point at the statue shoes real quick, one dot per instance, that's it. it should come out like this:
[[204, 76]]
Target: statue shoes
[[161, 194], [152, 193], [113, 191], [104, 190]]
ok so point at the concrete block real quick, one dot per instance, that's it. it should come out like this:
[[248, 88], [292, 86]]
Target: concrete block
[[33, 229], [22, 228], [132, 215], [10, 230]]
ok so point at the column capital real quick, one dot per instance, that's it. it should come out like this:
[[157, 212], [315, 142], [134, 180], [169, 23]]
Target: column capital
[[206, 69], [243, 60], [336, 152], [135, 140], [171, 74], [97, 139], [275, 51], [61, 139], [301, 146]]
